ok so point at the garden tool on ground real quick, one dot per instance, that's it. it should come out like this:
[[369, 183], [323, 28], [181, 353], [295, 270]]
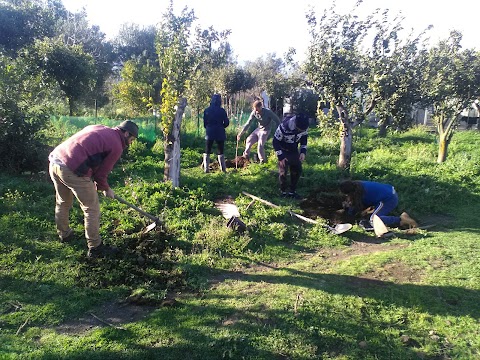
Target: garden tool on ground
[[156, 220], [337, 229], [230, 212]]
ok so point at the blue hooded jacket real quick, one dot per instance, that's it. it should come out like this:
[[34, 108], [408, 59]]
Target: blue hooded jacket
[[215, 120]]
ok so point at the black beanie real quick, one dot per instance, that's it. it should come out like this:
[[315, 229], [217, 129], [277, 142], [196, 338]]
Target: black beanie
[[301, 121], [129, 126]]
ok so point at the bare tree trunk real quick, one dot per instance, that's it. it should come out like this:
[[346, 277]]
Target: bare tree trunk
[[445, 133], [442, 148], [346, 140], [382, 129], [70, 106], [172, 147]]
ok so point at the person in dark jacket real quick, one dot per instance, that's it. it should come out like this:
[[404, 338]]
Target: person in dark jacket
[[292, 131], [377, 198], [215, 120], [79, 167]]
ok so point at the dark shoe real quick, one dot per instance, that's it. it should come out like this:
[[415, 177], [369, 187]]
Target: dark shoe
[[294, 195], [70, 236], [366, 225], [102, 251], [283, 193], [387, 235]]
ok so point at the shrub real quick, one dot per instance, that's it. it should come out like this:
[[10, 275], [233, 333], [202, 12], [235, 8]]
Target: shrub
[[20, 142]]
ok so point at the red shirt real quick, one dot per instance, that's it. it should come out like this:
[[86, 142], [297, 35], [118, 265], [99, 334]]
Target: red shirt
[[92, 152]]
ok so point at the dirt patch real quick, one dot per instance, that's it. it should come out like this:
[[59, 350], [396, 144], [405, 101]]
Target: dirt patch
[[326, 204], [396, 272], [358, 248], [110, 314], [239, 162]]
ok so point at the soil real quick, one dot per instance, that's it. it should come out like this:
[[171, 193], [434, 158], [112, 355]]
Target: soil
[[327, 205], [230, 163], [114, 314]]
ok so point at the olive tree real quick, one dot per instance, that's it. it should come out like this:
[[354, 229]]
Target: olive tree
[[335, 67], [450, 83], [395, 73], [69, 66]]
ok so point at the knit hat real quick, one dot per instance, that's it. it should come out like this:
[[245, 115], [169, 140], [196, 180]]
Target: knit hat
[[301, 121], [129, 126]]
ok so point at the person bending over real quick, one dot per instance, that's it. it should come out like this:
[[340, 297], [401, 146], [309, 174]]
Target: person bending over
[[376, 199]]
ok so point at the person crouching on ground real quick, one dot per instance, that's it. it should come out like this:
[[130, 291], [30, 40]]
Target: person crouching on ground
[[215, 121], [79, 167], [377, 198], [266, 120], [292, 131]]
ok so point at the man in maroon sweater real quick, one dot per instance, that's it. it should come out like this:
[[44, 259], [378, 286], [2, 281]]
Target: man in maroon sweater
[[80, 166]]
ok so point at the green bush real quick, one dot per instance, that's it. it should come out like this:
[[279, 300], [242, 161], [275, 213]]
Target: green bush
[[20, 143]]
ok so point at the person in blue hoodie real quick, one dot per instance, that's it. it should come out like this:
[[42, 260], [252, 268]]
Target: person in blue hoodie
[[292, 131], [215, 120], [377, 198]]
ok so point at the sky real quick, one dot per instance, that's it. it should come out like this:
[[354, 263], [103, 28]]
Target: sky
[[273, 26]]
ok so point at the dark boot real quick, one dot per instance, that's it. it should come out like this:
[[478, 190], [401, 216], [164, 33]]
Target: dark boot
[[221, 161], [206, 162], [102, 251]]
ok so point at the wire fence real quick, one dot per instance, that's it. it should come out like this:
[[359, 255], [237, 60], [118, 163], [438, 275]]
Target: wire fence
[[149, 127]]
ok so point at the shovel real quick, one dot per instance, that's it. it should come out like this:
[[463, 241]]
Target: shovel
[[337, 229], [156, 220]]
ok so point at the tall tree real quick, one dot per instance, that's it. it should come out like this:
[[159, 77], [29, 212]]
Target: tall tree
[[71, 68], [136, 61], [270, 75], [450, 83], [75, 30], [138, 90], [212, 52], [393, 83], [24, 21], [334, 67], [176, 61]]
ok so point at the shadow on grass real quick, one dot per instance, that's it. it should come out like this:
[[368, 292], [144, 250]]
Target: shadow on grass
[[435, 300], [199, 330]]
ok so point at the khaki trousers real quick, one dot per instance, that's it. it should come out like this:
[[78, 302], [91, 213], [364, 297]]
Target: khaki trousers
[[260, 137], [67, 184]]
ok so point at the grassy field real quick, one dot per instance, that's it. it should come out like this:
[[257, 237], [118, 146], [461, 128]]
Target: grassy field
[[195, 289]]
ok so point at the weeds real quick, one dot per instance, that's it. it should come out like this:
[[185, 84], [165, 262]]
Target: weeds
[[282, 289]]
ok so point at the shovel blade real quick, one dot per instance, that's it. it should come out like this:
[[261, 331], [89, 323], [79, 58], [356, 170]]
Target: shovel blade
[[341, 228], [379, 227], [150, 227]]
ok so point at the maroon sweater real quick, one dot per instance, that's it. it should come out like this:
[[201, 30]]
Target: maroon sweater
[[92, 152]]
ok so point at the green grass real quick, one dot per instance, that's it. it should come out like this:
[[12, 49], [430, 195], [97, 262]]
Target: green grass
[[282, 290]]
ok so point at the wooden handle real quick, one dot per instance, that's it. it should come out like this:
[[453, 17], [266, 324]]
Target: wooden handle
[[150, 216], [310, 221]]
